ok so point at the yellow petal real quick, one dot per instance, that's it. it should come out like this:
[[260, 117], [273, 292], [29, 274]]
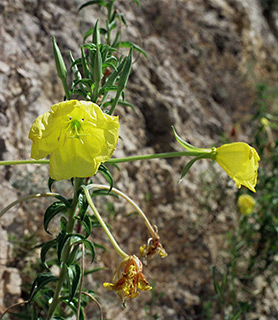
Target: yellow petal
[[240, 161]]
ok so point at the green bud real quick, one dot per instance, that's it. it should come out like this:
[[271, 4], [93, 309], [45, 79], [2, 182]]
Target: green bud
[[59, 61], [96, 35]]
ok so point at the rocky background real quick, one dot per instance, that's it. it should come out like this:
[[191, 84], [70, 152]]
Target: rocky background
[[206, 58]]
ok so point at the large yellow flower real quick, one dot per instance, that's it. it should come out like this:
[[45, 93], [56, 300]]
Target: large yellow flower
[[77, 135], [127, 282], [240, 161]]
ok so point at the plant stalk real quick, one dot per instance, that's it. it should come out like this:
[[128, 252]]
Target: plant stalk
[[70, 225]]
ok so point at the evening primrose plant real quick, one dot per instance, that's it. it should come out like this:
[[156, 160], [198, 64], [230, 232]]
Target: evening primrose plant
[[80, 135]]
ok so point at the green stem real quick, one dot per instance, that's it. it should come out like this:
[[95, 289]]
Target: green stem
[[103, 225], [31, 196], [15, 162], [70, 225], [157, 156], [135, 206], [165, 155]]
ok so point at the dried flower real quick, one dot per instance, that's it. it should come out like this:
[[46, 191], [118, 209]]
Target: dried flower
[[153, 248], [127, 282], [77, 135]]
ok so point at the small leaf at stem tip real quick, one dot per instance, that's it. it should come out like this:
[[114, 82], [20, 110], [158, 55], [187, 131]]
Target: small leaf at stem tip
[[187, 145]]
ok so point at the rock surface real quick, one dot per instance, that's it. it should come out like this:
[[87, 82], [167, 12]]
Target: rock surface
[[205, 59]]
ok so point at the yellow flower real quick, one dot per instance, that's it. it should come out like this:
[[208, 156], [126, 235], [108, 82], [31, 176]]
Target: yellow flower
[[127, 282], [77, 135], [246, 204], [240, 161]]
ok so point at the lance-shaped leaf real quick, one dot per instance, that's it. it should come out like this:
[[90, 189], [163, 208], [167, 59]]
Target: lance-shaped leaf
[[128, 44], [107, 175], [74, 276], [189, 165], [41, 280], [52, 211], [98, 2], [122, 80], [45, 248]]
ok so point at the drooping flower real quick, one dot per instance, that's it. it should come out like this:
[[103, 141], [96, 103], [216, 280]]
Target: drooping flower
[[128, 278], [240, 162], [153, 248], [246, 204], [77, 135]]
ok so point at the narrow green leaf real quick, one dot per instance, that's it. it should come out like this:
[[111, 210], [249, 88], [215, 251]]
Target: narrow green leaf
[[74, 255], [236, 316], [128, 44], [88, 33], [188, 166], [126, 71], [90, 246], [52, 211], [73, 305], [74, 275], [74, 68], [82, 205], [50, 183], [87, 224], [116, 41], [104, 170], [84, 63], [89, 271], [46, 246], [183, 143], [41, 280], [92, 2], [62, 239], [122, 18], [97, 73], [122, 81], [126, 104], [63, 223]]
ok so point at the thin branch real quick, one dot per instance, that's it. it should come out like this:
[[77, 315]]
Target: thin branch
[[95, 300], [31, 196], [12, 306]]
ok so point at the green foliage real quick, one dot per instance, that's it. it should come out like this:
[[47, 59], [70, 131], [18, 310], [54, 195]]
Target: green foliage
[[252, 246]]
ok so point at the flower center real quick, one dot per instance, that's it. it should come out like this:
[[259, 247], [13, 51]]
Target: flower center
[[75, 128]]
